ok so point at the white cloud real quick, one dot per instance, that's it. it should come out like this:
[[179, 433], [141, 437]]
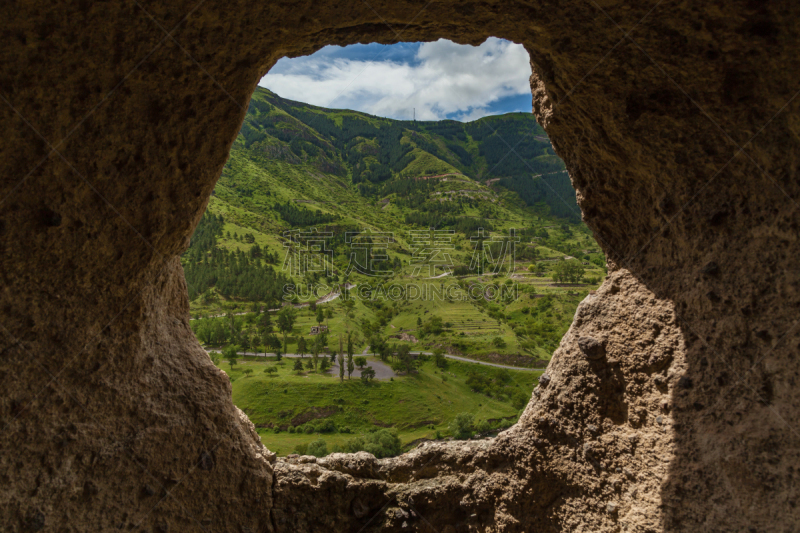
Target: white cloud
[[441, 79]]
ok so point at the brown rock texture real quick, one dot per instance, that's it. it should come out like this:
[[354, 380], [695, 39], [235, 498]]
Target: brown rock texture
[[591, 452], [679, 124]]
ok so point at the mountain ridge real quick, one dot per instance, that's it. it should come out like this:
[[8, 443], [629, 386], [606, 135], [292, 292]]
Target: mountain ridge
[[372, 151]]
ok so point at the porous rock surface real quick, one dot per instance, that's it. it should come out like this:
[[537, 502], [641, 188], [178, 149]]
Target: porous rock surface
[[679, 125], [590, 452]]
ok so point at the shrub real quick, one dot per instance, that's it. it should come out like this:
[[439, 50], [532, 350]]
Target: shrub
[[325, 426], [498, 342], [483, 426], [367, 374], [461, 426], [519, 400], [380, 443], [317, 448], [301, 449], [248, 371], [439, 358]]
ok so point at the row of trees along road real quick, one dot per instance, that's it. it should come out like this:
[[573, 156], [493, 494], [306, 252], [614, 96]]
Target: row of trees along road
[[259, 335]]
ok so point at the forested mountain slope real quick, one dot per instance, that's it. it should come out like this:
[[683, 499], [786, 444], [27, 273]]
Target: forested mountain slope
[[380, 156], [367, 184]]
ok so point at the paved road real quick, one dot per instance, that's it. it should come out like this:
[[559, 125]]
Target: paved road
[[382, 370], [484, 363], [466, 360]]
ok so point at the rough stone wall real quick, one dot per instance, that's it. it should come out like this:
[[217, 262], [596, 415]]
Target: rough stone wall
[[590, 453], [679, 125]]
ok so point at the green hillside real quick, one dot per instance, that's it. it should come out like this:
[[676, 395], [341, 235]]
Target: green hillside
[[404, 235]]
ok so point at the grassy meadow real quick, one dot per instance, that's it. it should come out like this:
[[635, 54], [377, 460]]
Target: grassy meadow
[[417, 406]]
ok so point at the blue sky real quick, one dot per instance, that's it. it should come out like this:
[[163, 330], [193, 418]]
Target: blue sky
[[440, 79]]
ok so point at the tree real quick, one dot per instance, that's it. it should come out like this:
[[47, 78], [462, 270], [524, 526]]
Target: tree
[[264, 323], [271, 370], [248, 371], [301, 346], [347, 306], [324, 365], [286, 319], [315, 352], [235, 327], [350, 365], [267, 338], [320, 316], [298, 365], [386, 350], [274, 343], [361, 362], [434, 325], [244, 340], [405, 358], [341, 361], [461, 426], [568, 271], [367, 374], [230, 353], [439, 359], [350, 345], [204, 333], [368, 328]]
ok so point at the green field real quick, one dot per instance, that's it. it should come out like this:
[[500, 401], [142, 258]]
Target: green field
[[416, 406]]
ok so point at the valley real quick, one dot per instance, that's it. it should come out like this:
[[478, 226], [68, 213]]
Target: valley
[[393, 238]]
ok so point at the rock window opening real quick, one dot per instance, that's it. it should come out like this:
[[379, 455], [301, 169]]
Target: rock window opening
[[399, 272]]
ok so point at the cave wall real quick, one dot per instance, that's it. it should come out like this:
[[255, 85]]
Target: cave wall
[[679, 126]]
